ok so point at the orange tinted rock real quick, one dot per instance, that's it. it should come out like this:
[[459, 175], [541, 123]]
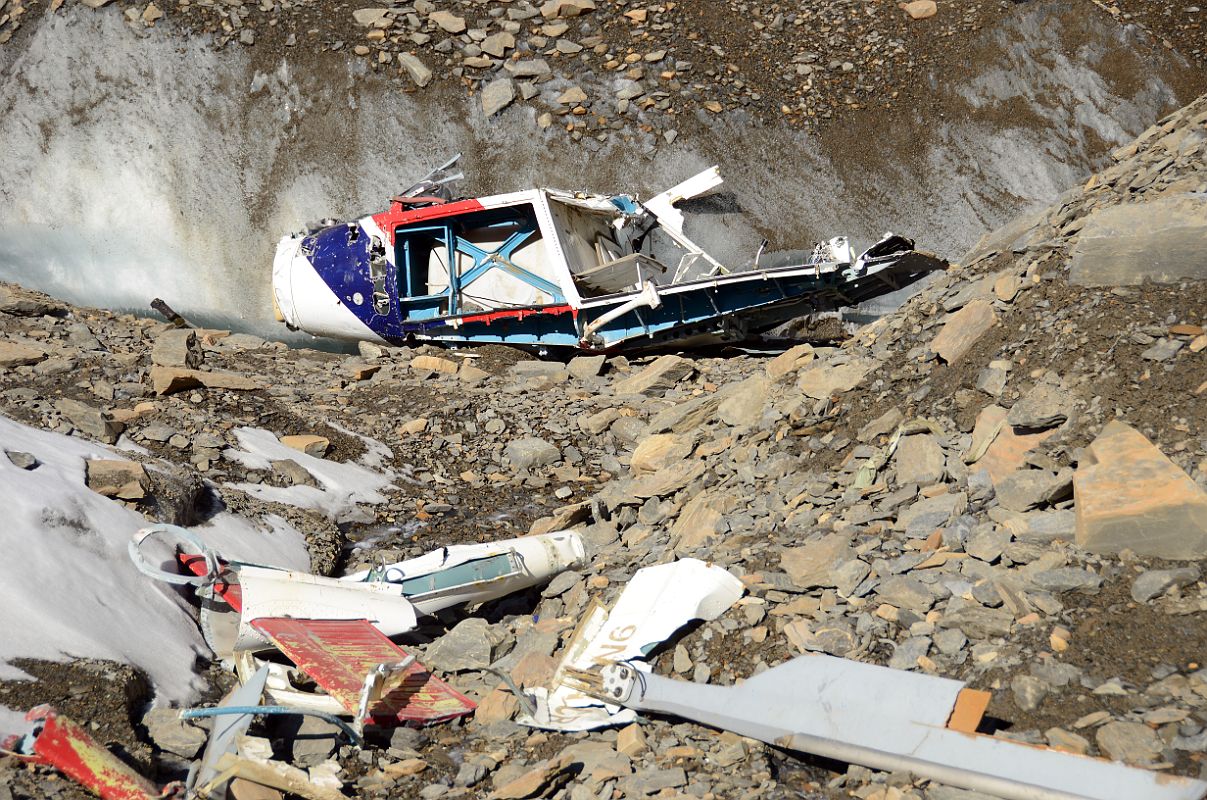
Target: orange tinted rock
[[1134, 497], [963, 329], [169, 380]]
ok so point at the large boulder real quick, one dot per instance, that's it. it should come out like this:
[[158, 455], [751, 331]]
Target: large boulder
[[1133, 497], [1159, 240]]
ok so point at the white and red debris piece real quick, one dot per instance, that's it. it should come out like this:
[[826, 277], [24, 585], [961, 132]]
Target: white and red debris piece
[[656, 602]]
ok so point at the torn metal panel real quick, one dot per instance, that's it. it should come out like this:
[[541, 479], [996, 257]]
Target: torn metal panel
[[552, 269], [226, 729], [61, 743], [884, 719], [340, 654], [655, 603]]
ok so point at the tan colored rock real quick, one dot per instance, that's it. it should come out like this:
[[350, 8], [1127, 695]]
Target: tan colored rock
[[368, 17], [411, 427], [824, 381], [630, 740], [532, 782], [408, 766], [497, 706], [534, 669], [1134, 497], [448, 21], [308, 443], [151, 14], [434, 364], [963, 329], [921, 9], [814, 563], [701, 520], [668, 481], [566, 8], [1007, 287], [789, 361], [125, 480], [996, 448], [177, 347], [15, 354], [169, 380], [659, 451], [659, 376]]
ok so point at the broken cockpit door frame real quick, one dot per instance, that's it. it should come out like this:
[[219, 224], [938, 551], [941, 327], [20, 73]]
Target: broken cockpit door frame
[[448, 231]]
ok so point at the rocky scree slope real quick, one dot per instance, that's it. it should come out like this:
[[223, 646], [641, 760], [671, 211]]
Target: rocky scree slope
[[937, 493]]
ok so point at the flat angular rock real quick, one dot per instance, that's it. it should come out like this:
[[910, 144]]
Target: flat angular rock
[[566, 8], [932, 512], [701, 520], [667, 481], [420, 73], [660, 451], [172, 734], [531, 452], [497, 95], [585, 367], [919, 459], [978, 622], [814, 563], [434, 364], [92, 421], [16, 354], [469, 645], [368, 17], [448, 21], [1159, 240], [906, 593], [169, 380], [1155, 582], [789, 361], [1134, 497], [1044, 406], [21, 302], [963, 329], [125, 480], [1026, 489], [744, 407], [823, 381], [308, 443], [656, 378], [1130, 742], [883, 425]]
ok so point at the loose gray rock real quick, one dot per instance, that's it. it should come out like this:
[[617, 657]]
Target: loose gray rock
[[172, 734], [1043, 406], [1156, 582], [497, 95], [1029, 691], [531, 452], [469, 645]]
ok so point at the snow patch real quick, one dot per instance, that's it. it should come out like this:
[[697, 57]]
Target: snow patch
[[67, 583], [342, 485]]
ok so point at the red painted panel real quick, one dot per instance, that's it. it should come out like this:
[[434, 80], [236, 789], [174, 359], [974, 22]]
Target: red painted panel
[[65, 746], [338, 654]]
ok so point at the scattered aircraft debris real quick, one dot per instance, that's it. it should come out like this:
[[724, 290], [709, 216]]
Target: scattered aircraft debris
[[556, 270], [656, 602], [885, 719]]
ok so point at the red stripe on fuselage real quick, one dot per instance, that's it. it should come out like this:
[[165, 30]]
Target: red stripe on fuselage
[[401, 215], [514, 313]]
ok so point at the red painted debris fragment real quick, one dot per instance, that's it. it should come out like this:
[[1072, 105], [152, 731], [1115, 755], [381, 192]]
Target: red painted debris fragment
[[232, 593], [338, 654], [64, 745]]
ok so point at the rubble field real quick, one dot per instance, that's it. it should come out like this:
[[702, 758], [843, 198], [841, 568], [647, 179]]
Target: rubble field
[[1003, 482]]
